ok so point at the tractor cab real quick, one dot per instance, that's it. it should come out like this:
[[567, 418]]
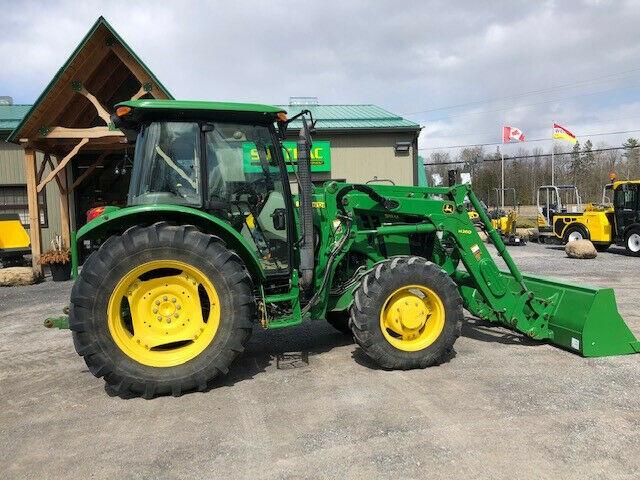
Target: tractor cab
[[626, 205], [219, 159]]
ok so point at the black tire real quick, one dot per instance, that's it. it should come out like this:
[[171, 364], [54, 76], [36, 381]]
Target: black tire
[[602, 247], [340, 321], [370, 298], [631, 241], [576, 229], [117, 256]]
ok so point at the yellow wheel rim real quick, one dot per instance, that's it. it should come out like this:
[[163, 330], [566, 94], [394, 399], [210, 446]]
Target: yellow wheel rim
[[412, 318], [163, 313]]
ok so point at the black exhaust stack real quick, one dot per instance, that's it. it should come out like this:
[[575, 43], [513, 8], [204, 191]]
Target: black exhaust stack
[[307, 248]]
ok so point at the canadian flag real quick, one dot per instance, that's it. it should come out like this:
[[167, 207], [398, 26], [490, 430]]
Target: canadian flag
[[512, 133]]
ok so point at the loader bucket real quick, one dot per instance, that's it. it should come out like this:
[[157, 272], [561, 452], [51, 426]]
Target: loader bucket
[[585, 319]]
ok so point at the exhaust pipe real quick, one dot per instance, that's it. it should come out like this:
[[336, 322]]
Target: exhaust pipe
[[307, 248]]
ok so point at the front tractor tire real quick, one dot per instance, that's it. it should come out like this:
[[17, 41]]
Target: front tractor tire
[[161, 309], [407, 313]]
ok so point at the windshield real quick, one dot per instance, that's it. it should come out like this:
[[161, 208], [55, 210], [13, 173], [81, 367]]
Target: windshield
[[167, 165]]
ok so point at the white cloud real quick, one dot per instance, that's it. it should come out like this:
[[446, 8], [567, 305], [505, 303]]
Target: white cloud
[[404, 56]]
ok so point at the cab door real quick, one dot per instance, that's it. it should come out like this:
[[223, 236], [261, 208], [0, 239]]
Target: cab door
[[626, 205]]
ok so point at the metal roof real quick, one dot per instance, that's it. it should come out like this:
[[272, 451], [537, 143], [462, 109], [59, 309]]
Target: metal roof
[[11, 115], [351, 117]]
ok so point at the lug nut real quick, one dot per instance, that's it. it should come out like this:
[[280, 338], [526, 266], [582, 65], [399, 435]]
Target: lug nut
[[173, 299], [164, 298], [178, 307], [155, 310], [176, 315], [157, 302], [159, 317]]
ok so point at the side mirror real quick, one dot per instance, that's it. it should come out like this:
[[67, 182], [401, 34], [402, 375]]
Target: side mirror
[[279, 217]]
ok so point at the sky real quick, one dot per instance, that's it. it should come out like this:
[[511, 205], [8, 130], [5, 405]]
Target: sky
[[460, 69]]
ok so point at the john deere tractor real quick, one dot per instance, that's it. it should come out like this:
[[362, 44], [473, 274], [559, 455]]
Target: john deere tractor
[[214, 244]]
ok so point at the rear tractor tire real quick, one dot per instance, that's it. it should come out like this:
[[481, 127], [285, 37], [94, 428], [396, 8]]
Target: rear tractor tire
[[161, 309], [632, 241], [407, 313]]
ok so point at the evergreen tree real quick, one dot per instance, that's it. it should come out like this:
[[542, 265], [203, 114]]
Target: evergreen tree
[[632, 158]]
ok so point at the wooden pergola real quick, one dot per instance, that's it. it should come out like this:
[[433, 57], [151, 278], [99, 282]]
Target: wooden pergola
[[72, 116]]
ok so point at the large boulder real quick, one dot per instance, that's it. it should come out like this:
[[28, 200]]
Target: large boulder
[[14, 276], [527, 234], [580, 249]]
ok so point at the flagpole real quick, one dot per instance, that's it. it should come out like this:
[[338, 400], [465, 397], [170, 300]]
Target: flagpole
[[553, 144], [502, 189]]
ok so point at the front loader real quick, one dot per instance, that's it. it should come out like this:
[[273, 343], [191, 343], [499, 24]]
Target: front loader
[[213, 242]]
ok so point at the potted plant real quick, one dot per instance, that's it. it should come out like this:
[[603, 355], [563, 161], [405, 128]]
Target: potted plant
[[58, 259]]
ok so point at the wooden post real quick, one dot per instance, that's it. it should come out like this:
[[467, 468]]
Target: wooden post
[[34, 210], [65, 228]]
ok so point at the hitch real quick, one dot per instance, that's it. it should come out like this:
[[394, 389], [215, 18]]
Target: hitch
[[61, 322]]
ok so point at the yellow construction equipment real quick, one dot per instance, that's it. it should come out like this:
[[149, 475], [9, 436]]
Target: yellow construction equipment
[[505, 221], [604, 224], [14, 240]]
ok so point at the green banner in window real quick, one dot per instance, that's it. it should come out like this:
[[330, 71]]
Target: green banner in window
[[320, 156]]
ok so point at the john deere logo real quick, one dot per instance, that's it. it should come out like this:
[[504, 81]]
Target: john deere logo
[[448, 208]]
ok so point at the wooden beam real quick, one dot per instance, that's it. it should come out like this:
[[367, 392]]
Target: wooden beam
[[62, 164], [133, 66], [102, 112], [43, 165], [61, 188], [92, 132], [139, 93], [99, 162], [105, 77], [65, 228], [34, 210]]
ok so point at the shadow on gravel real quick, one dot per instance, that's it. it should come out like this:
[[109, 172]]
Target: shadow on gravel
[[618, 251], [484, 331], [310, 339], [362, 359]]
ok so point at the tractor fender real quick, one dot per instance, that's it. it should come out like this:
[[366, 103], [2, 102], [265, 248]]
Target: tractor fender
[[118, 221]]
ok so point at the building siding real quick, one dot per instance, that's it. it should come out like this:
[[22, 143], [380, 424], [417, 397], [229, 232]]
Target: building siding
[[357, 158], [12, 173]]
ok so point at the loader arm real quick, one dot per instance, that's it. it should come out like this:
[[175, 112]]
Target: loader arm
[[582, 319]]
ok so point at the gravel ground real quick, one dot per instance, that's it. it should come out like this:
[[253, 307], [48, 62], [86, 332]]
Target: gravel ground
[[501, 408]]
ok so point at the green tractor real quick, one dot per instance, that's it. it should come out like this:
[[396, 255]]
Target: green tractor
[[213, 241]]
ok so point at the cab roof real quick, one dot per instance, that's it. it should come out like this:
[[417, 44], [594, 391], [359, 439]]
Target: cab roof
[[201, 107], [618, 183]]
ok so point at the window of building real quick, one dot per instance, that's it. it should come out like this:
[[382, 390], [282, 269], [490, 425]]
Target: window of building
[[13, 199]]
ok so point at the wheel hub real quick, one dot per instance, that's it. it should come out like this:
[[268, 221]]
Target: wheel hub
[[412, 318], [166, 325]]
